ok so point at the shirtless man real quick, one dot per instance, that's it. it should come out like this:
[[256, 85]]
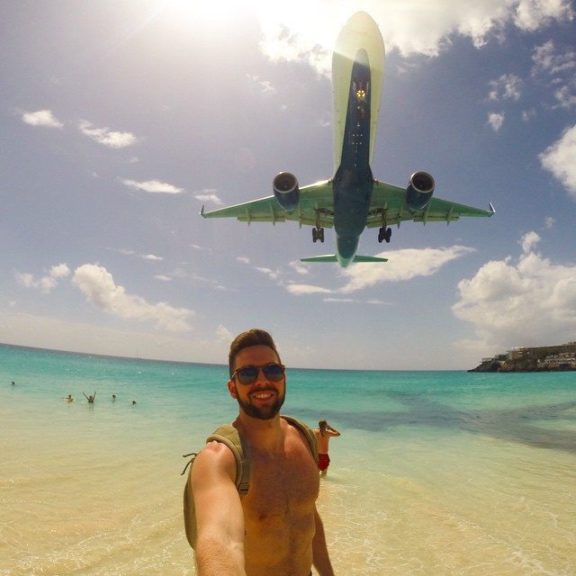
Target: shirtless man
[[275, 529], [323, 434]]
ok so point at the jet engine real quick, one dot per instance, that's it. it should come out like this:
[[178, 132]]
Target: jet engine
[[419, 191], [286, 190]]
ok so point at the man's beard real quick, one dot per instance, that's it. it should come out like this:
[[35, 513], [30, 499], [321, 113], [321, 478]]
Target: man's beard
[[262, 412]]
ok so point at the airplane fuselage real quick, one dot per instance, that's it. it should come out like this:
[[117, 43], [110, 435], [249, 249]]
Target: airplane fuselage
[[353, 181], [356, 75]]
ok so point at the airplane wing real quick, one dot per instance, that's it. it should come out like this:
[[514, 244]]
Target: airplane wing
[[315, 208], [389, 206]]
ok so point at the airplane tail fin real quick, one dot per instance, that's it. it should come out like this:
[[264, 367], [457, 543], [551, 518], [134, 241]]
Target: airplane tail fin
[[332, 258]]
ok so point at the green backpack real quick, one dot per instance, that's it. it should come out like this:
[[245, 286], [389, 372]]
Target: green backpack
[[229, 435]]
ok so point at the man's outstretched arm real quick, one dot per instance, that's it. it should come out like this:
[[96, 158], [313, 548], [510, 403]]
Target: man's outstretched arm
[[219, 515]]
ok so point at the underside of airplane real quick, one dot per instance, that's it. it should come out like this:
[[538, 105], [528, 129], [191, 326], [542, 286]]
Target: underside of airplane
[[352, 199]]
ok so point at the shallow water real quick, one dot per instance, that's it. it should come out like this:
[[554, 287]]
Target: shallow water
[[436, 473]]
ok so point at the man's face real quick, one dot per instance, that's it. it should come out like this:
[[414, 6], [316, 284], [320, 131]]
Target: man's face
[[263, 398]]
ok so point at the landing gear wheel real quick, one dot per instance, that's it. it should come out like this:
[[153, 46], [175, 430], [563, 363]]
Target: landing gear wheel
[[317, 234], [384, 234]]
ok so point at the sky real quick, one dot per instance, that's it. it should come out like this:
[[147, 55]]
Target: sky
[[120, 120]]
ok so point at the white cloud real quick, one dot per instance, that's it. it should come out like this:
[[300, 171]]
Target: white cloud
[[59, 271], [340, 300], [559, 160], [410, 26], [26, 279], [529, 241], [223, 334], [46, 283], [289, 37], [530, 302], [148, 257], [272, 274], [566, 96], [528, 115], [335, 300], [107, 137], [265, 86], [531, 15], [299, 268], [305, 289], [507, 87], [496, 120], [153, 186], [209, 195], [402, 265], [549, 60], [41, 118], [99, 288], [559, 66]]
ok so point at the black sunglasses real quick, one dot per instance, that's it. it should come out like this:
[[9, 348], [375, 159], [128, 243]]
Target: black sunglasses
[[249, 374]]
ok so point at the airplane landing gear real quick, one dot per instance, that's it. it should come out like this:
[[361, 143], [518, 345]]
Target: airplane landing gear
[[384, 234], [318, 234]]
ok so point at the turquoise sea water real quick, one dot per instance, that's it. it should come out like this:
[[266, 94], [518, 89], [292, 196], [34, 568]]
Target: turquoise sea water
[[436, 473]]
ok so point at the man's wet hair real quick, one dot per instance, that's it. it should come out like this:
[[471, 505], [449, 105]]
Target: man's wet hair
[[252, 337]]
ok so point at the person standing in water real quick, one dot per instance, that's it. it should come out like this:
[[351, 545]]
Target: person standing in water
[[323, 434]]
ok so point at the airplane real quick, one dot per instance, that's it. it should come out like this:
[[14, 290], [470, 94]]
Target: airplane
[[352, 199]]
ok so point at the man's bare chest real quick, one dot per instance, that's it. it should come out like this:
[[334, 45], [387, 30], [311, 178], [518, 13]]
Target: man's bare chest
[[282, 485]]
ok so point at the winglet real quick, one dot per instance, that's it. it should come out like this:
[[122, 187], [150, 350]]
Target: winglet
[[202, 212], [492, 209]]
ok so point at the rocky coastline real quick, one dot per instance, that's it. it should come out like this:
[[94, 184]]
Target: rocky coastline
[[542, 359]]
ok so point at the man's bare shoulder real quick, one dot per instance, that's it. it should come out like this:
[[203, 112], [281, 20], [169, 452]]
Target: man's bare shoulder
[[215, 459]]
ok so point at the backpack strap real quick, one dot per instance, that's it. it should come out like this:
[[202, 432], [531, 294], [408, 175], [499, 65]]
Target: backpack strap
[[229, 435], [308, 434]]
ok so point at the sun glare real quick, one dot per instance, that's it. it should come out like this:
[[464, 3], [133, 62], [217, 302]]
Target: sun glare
[[299, 30], [206, 13]]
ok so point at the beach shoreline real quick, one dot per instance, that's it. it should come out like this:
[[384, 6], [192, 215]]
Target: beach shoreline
[[435, 474]]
